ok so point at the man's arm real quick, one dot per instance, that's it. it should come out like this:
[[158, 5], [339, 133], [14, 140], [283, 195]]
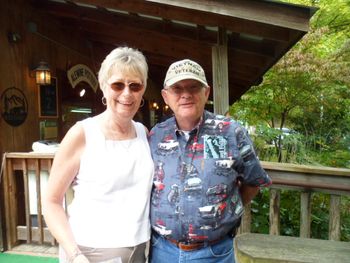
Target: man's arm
[[248, 192]]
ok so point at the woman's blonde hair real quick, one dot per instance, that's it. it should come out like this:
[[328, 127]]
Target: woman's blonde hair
[[123, 58]]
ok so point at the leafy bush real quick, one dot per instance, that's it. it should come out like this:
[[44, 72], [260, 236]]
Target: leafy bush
[[290, 214]]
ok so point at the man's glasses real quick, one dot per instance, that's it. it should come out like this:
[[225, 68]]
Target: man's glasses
[[178, 90], [133, 86]]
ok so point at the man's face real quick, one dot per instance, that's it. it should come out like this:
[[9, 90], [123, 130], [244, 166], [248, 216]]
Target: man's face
[[186, 99]]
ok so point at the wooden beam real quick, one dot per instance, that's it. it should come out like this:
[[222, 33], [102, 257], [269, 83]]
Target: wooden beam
[[86, 15], [175, 11], [109, 18], [309, 178], [266, 12], [150, 41], [164, 45], [261, 248], [220, 87]]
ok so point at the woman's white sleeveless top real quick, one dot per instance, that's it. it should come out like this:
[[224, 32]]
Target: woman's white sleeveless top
[[112, 190]]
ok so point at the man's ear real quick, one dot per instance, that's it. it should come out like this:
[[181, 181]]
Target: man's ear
[[165, 96], [207, 92]]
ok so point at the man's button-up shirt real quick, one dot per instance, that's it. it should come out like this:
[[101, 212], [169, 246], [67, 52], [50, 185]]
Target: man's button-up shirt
[[195, 194]]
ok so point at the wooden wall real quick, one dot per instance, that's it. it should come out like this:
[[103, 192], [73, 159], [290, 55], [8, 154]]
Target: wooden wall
[[40, 38]]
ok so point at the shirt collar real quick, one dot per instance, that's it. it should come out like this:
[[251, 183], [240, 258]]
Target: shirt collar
[[195, 130]]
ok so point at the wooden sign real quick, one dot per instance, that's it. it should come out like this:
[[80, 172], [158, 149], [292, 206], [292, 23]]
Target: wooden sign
[[79, 73]]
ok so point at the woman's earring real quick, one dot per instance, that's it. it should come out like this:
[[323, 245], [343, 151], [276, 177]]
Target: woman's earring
[[104, 100], [142, 102]]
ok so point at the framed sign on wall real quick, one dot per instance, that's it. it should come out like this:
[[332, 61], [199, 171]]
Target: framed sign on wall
[[48, 102]]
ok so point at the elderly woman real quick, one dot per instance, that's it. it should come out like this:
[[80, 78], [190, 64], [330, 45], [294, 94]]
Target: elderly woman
[[107, 160]]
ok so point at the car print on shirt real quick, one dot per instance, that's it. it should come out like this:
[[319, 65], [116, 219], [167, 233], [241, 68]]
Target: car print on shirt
[[173, 195], [187, 170], [158, 183], [224, 166], [212, 211], [160, 228], [217, 193], [236, 205], [193, 184], [168, 146], [225, 163], [192, 236], [196, 147], [159, 172], [216, 124], [217, 189]]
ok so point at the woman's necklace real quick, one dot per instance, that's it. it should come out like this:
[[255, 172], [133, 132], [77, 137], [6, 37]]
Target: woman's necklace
[[119, 133]]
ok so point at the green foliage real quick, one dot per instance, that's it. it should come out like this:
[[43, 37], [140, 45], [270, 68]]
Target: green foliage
[[319, 216], [260, 212], [308, 91], [290, 214]]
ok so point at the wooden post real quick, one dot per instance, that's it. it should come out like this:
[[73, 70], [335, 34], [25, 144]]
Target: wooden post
[[49, 165], [220, 74], [305, 214], [334, 218], [1, 234], [246, 220], [26, 201], [275, 196], [38, 196], [2, 183]]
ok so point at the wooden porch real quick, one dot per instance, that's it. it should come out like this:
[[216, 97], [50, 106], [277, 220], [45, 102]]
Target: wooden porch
[[26, 232]]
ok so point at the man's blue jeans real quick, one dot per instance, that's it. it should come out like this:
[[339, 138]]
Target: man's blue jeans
[[163, 250]]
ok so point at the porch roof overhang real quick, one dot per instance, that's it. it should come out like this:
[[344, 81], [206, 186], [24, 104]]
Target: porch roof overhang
[[259, 32]]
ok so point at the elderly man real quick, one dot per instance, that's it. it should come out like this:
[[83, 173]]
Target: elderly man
[[205, 171]]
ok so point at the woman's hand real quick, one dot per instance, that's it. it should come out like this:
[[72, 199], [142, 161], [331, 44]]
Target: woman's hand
[[80, 259]]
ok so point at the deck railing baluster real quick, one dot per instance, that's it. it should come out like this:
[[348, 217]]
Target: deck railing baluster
[[305, 214], [38, 196], [275, 196], [27, 201], [334, 218]]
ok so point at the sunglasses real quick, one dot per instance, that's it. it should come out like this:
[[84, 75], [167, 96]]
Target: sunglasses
[[133, 86], [178, 90]]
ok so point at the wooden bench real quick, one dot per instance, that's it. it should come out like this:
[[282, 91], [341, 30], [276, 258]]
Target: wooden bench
[[261, 248]]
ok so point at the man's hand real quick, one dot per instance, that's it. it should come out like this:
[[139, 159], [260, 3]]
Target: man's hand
[[248, 192]]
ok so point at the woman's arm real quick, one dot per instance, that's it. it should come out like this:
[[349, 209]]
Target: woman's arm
[[64, 169]]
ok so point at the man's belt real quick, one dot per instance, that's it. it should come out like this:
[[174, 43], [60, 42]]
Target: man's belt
[[187, 246]]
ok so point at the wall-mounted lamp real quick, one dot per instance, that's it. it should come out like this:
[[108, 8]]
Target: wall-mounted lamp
[[43, 74]]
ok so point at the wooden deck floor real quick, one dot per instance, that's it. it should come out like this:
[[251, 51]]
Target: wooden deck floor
[[35, 250]]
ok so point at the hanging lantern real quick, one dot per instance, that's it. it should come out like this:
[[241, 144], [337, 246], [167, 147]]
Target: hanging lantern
[[43, 74]]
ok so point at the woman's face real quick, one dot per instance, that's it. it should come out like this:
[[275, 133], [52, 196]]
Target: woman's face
[[124, 93]]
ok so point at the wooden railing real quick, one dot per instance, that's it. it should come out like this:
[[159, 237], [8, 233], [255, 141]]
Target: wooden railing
[[305, 179], [19, 226]]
